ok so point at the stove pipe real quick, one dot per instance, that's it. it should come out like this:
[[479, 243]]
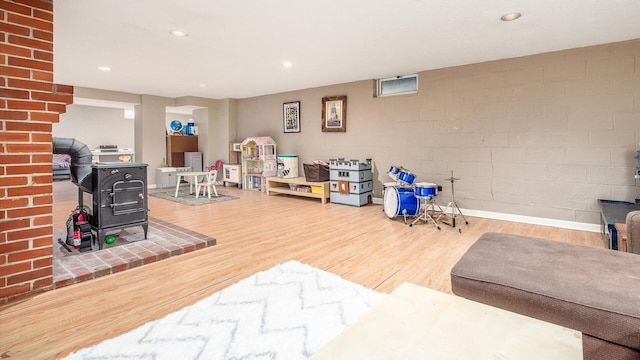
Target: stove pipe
[[81, 159]]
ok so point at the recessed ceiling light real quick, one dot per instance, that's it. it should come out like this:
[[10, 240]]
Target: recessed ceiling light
[[178, 33], [510, 16], [104, 68], [287, 64], [203, 85]]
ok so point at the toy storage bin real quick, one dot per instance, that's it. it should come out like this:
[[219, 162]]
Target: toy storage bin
[[315, 172]]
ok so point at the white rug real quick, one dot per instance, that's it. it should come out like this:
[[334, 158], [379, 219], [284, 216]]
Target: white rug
[[287, 312]]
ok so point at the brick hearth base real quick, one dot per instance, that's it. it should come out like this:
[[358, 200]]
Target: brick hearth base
[[163, 241]]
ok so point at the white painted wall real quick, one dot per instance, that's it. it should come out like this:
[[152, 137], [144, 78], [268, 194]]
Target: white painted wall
[[95, 126]]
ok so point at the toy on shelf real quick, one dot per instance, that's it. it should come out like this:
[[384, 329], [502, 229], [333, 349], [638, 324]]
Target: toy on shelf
[[176, 127]]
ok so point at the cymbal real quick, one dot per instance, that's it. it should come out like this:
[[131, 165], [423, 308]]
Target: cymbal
[[452, 178]]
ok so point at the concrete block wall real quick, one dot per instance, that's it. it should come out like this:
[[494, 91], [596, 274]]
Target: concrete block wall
[[29, 103], [559, 130], [541, 136]]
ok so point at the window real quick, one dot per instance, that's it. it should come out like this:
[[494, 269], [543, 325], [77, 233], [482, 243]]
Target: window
[[399, 85], [129, 114]]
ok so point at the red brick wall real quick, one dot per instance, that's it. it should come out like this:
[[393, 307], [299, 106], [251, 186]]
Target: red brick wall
[[29, 103]]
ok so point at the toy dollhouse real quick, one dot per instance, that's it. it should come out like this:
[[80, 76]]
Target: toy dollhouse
[[258, 162]]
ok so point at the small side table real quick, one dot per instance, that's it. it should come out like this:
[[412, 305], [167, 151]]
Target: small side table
[[622, 236], [613, 212]]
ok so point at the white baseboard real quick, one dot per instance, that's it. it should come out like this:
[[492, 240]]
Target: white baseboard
[[564, 224], [573, 225]]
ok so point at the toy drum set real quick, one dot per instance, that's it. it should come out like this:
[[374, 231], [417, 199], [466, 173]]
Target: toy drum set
[[404, 197]]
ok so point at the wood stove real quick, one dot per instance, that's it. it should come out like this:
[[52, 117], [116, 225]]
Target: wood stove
[[118, 191], [119, 198]]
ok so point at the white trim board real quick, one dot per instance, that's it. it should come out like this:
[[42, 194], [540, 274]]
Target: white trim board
[[564, 224]]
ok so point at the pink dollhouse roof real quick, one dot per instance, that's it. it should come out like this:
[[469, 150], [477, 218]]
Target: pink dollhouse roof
[[259, 140]]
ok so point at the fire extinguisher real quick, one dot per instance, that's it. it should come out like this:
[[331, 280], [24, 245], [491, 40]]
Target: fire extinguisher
[[77, 235]]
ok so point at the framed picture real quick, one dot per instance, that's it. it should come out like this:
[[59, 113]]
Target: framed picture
[[334, 114], [291, 117]]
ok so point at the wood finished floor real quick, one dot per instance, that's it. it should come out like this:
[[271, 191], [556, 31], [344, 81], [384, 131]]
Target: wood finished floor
[[253, 234]]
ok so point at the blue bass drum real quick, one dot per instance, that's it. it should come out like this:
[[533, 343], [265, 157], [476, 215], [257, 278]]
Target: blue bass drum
[[387, 185], [400, 201]]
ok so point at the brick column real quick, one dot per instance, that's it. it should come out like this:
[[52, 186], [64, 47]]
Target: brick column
[[29, 103]]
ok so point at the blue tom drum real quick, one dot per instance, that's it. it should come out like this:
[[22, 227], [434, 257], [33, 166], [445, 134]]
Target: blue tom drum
[[400, 201], [394, 172], [406, 177]]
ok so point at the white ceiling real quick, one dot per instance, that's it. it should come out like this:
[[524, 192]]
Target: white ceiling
[[237, 47]]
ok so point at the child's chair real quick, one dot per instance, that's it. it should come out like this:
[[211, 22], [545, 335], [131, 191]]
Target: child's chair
[[212, 179], [216, 166], [209, 184]]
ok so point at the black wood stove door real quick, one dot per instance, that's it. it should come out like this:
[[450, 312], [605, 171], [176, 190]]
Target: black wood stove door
[[127, 197], [120, 195]]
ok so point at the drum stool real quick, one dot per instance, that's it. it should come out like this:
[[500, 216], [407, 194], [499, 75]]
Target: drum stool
[[426, 193]]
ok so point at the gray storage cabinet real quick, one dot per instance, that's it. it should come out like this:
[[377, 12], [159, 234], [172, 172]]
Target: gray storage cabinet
[[350, 182]]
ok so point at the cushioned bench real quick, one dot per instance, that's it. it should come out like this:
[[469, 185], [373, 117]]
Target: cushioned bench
[[595, 291]]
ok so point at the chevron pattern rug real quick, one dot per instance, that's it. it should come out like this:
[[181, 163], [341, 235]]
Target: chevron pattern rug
[[287, 312]]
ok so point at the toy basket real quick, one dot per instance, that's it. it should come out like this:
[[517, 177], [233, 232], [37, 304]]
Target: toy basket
[[316, 172]]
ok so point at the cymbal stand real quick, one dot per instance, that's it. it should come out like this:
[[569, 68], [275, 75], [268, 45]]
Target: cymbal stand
[[455, 210], [427, 204]]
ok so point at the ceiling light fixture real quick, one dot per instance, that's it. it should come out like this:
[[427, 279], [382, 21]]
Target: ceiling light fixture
[[287, 64], [510, 16], [178, 33], [104, 68]]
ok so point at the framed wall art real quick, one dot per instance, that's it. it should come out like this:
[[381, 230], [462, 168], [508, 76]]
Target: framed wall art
[[334, 114], [291, 117]]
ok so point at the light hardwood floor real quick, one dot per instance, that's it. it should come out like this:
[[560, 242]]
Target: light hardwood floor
[[253, 234]]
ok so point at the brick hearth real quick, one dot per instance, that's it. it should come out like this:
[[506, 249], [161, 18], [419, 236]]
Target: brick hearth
[[163, 241]]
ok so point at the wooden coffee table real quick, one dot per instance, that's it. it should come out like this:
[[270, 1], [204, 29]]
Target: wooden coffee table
[[414, 322]]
